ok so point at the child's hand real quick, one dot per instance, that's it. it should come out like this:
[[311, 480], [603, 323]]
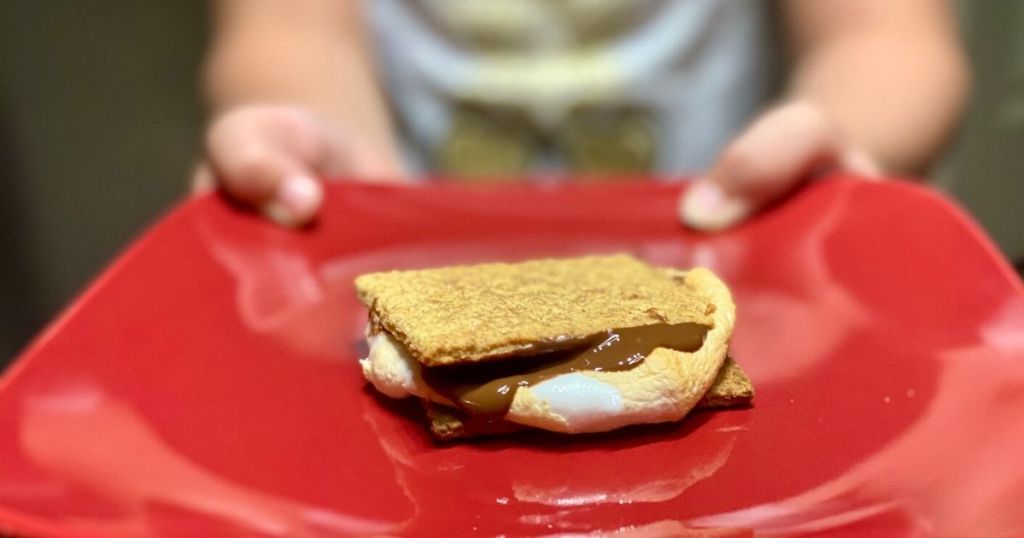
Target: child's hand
[[784, 147], [272, 156]]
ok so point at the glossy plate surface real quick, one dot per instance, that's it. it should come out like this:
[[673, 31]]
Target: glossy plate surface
[[207, 383]]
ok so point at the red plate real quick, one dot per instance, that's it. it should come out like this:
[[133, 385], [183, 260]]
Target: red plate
[[207, 383]]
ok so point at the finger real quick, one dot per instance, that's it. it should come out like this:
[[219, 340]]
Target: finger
[[783, 148], [860, 163], [296, 201], [780, 150], [203, 180], [705, 206], [267, 158]]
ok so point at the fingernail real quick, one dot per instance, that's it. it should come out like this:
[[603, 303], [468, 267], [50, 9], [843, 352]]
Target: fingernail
[[859, 162], [297, 201], [705, 206]]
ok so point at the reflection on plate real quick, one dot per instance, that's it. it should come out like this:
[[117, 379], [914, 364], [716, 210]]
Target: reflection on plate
[[207, 383]]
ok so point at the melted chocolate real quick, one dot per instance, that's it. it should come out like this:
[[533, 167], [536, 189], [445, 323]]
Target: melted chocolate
[[488, 388]]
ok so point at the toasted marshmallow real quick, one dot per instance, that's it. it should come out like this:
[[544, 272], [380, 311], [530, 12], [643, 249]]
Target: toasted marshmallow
[[576, 402]]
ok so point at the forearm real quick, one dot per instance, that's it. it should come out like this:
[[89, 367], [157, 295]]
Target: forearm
[[895, 92], [311, 52]]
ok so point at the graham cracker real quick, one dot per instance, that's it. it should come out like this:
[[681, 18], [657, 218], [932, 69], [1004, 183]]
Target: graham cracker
[[732, 387], [472, 313]]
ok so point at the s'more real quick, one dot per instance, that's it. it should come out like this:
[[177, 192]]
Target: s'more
[[577, 345]]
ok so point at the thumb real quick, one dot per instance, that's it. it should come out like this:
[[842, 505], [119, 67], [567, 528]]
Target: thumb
[[266, 162], [296, 199], [281, 188], [783, 148]]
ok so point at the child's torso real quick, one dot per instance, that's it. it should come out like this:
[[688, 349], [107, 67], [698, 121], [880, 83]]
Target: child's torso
[[655, 84]]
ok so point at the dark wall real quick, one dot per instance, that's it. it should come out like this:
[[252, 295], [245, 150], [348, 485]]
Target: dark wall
[[986, 166], [98, 128]]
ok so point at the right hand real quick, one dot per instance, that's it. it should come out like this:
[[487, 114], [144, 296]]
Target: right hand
[[784, 147], [271, 157]]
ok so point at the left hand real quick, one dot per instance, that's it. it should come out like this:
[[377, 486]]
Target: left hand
[[786, 146]]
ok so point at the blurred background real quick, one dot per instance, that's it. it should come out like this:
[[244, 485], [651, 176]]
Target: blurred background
[[100, 125]]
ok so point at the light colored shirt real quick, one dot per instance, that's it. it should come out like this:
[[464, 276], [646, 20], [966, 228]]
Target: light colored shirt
[[698, 69]]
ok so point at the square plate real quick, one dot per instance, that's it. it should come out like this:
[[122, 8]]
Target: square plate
[[207, 384]]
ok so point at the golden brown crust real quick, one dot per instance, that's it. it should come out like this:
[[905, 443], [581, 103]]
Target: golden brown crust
[[472, 313], [732, 388]]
